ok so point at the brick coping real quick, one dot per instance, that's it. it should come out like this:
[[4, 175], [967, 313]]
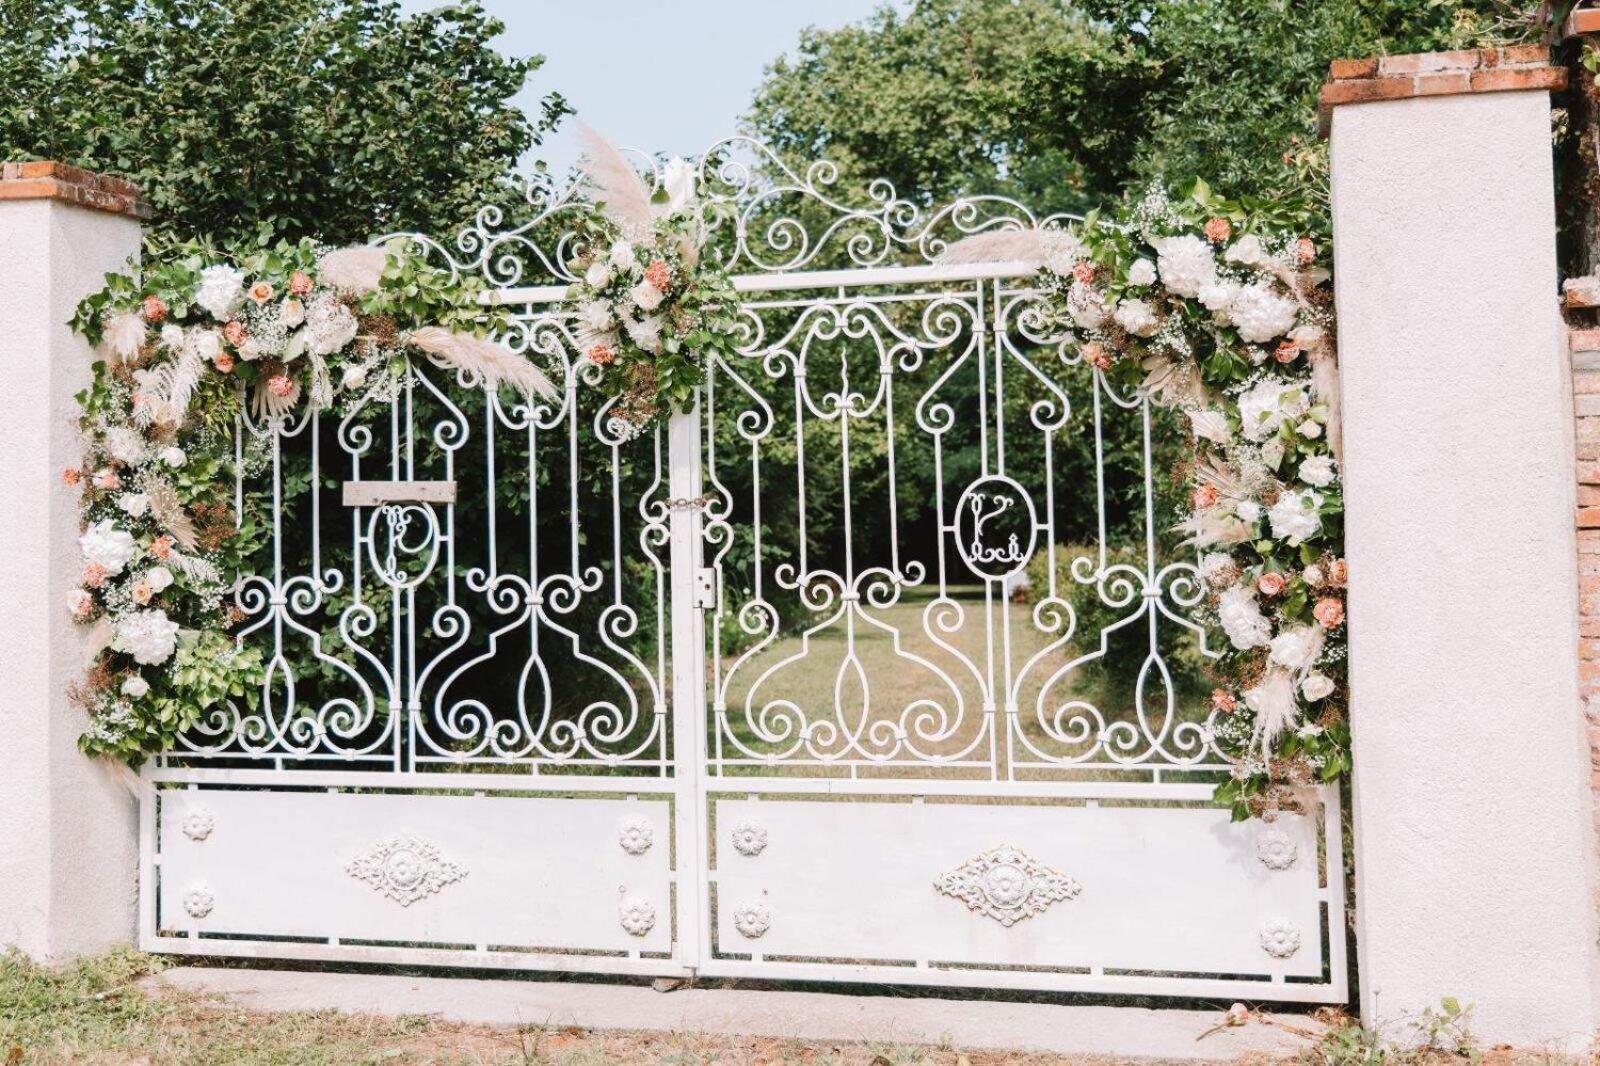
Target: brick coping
[[1481, 70], [49, 180]]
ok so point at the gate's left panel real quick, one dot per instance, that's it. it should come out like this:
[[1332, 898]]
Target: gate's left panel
[[447, 738]]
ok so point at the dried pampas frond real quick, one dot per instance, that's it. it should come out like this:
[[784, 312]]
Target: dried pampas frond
[[353, 270], [1209, 424], [997, 246], [192, 568], [1215, 527], [321, 383], [1223, 478], [617, 186], [1273, 702], [269, 406], [123, 337], [98, 639], [1172, 383], [168, 388], [168, 510], [1325, 389], [484, 361]]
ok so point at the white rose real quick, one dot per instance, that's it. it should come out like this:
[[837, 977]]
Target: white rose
[[678, 181], [646, 295], [220, 289], [159, 578], [1309, 429], [1296, 649], [353, 378], [598, 275], [174, 456], [292, 313], [135, 686], [1242, 620], [1316, 687], [1247, 250], [1261, 315], [1294, 517], [1143, 272], [1266, 405], [622, 256], [1314, 575], [1137, 317], [106, 546], [1248, 511], [1317, 470], [1186, 264], [134, 504], [149, 636]]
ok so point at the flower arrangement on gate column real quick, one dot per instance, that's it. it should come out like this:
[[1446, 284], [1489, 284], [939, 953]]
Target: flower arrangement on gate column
[[651, 313], [191, 346], [1224, 313]]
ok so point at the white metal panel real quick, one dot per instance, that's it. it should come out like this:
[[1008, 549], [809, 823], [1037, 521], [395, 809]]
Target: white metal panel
[[526, 872], [1163, 889]]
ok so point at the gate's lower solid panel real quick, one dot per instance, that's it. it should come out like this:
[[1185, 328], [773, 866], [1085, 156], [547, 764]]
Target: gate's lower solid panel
[[950, 884], [486, 872]]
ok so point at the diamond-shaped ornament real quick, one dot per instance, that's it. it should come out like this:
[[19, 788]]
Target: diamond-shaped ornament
[[404, 868], [1007, 884]]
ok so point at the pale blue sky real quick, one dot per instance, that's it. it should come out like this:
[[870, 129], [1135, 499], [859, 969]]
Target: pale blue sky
[[665, 75]]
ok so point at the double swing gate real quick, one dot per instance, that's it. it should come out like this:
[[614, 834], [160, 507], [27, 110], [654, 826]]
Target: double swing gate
[[878, 664]]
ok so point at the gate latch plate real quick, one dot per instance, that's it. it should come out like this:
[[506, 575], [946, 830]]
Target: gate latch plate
[[705, 588]]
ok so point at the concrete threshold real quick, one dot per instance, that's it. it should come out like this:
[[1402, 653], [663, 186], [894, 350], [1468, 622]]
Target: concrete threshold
[[1097, 1032]]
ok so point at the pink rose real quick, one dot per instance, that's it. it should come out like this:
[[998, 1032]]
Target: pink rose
[[1270, 583], [1218, 229], [1328, 612]]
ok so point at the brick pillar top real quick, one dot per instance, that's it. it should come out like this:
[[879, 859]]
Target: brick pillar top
[[57, 181], [1482, 70]]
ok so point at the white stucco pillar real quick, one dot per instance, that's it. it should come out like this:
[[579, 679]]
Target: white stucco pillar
[[1473, 830], [68, 842]]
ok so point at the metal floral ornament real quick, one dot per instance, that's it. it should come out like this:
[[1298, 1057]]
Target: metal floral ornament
[[650, 312], [1208, 308], [196, 343]]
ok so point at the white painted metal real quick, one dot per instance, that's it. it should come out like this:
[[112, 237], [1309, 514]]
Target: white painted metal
[[993, 827]]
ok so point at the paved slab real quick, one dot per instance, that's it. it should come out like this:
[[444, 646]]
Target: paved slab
[[1112, 1032]]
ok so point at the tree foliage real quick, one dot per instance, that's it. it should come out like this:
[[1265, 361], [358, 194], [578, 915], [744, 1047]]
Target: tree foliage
[[1067, 103], [338, 119]]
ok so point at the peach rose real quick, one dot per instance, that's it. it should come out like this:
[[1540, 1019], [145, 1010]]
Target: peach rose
[[1329, 612], [1204, 496], [1270, 583], [1218, 230], [1224, 701], [154, 309], [1338, 573], [602, 355], [1097, 355], [1288, 352], [1305, 250], [1083, 271], [72, 475], [300, 283], [161, 547], [658, 274], [235, 333], [280, 385], [223, 362], [94, 575], [107, 479], [142, 593], [261, 292]]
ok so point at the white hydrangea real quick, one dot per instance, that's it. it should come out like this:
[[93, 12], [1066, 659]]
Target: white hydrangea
[[172, 337], [1317, 470], [1137, 317], [206, 343], [1062, 251], [1218, 295], [1186, 264], [124, 444], [1143, 272], [149, 636], [220, 290], [1248, 511], [329, 326], [1267, 405], [106, 546], [1261, 315], [1296, 649], [1086, 306], [1316, 687], [1294, 517], [1242, 620], [174, 456]]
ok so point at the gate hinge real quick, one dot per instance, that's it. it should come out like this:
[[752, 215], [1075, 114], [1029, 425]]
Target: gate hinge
[[705, 588]]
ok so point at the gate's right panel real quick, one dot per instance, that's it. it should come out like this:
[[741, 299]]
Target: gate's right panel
[[960, 730]]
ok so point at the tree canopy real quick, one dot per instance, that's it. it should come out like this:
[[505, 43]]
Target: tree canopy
[[1066, 103], [338, 119]]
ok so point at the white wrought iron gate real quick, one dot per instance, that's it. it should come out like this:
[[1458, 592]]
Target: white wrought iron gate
[[760, 693]]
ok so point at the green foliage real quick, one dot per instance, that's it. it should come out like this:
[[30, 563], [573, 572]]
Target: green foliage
[[1065, 103], [339, 119]]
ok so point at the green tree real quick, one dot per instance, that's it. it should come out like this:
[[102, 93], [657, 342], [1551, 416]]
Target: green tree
[[337, 119]]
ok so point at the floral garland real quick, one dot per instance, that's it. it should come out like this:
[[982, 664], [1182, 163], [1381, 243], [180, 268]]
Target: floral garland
[[192, 346], [1212, 309], [651, 312]]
